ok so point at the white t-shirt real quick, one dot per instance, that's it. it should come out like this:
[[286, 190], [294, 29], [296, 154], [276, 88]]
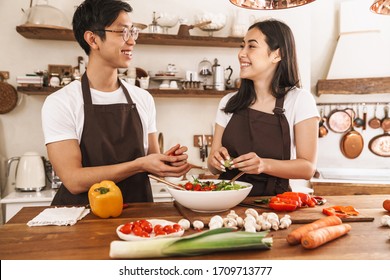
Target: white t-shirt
[[299, 105], [63, 111]]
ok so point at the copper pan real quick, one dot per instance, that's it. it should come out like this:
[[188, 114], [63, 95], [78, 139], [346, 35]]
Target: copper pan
[[352, 143], [340, 120], [380, 144], [375, 122]]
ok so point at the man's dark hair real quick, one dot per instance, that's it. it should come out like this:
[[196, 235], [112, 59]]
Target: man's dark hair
[[93, 15]]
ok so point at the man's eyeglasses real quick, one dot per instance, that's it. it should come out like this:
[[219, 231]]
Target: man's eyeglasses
[[126, 32]]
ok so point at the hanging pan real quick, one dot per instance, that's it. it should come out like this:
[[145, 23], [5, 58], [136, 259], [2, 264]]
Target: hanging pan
[[352, 142], [380, 144], [322, 130], [340, 120]]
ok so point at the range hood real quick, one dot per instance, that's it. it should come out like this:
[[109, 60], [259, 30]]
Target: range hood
[[361, 61]]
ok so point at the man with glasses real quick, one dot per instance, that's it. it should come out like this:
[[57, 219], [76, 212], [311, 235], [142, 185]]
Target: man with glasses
[[102, 128]]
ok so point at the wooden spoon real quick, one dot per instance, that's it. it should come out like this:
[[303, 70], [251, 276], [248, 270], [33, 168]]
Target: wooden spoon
[[161, 180], [236, 177]]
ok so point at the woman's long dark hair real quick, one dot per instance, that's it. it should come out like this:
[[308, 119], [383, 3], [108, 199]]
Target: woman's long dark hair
[[278, 35]]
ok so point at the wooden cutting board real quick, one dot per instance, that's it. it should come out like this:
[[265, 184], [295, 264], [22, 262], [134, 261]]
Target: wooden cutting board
[[300, 216]]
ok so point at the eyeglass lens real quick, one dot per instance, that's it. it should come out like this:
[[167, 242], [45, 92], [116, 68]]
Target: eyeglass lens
[[133, 32]]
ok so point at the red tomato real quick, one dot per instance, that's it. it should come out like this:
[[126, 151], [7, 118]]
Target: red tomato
[[168, 229], [157, 228], [126, 228], [160, 232], [137, 223], [146, 226], [144, 234], [177, 227], [206, 189], [188, 186], [137, 230], [213, 187], [197, 187]]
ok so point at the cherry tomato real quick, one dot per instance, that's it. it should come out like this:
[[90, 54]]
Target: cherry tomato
[[157, 228], [188, 186], [206, 189], [144, 234], [160, 232], [137, 230], [177, 227], [197, 187], [146, 226], [213, 187], [168, 229], [126, 228]]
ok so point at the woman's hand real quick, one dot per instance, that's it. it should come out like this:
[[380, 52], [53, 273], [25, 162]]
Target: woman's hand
[[217, 159], [249, 163]]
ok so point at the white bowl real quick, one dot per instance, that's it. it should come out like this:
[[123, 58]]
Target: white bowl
[[210, 201]]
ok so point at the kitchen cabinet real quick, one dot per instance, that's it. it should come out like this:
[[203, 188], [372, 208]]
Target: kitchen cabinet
[[64, 34]]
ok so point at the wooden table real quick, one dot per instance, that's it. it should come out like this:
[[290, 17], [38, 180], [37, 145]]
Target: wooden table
[[90, 237]]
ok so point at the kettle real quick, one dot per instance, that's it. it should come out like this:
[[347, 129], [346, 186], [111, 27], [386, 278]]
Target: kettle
[[218, 76], [29, 172]]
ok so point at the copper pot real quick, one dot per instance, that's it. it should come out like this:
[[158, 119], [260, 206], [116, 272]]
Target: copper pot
[[352, 143]]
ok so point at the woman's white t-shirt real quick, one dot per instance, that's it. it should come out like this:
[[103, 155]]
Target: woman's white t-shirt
[[63, 111], [299, 105]]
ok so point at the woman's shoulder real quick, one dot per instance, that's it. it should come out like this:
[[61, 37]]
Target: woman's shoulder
[[299, 95], [224, 100]]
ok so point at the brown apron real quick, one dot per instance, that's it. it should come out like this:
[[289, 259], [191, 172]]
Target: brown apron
[[112, 134], [268, 135]]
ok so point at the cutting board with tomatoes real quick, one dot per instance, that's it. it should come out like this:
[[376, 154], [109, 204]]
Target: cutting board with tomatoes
[[303, 215]]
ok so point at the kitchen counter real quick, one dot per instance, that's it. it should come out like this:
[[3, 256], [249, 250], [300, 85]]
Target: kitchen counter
[[366, 240], [16, 200]]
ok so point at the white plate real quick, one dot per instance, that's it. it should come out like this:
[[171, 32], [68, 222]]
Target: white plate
[[132, 237]]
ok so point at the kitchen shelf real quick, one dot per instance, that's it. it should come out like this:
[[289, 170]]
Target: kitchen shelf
[[155, 92], [64, 34], [354, 86]]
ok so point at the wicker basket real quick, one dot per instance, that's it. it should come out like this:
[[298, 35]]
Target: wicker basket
[[8, 97]]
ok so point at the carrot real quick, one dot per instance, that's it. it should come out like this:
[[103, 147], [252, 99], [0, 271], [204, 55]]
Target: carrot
[[295, 236], [318, 237]]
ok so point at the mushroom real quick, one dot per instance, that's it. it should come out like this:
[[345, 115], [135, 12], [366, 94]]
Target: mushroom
[[285, 222], [184, 223], [230, 223], [198, 225], [252, 212], [385, 220]]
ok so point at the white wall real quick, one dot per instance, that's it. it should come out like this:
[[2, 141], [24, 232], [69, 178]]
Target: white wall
[[315, 27]]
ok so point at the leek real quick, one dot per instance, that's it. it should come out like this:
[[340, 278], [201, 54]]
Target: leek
[[215, 240]]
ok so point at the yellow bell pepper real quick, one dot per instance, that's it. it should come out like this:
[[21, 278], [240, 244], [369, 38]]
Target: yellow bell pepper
[[105, 199]]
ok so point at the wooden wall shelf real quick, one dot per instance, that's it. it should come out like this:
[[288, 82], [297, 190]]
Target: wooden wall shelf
[[155, 92], [64, 34], [354, 86]]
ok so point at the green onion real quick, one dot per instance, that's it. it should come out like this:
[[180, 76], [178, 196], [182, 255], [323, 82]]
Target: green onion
[[216, 240]]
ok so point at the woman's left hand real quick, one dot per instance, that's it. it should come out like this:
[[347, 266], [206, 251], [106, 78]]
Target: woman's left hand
[[249, 163]]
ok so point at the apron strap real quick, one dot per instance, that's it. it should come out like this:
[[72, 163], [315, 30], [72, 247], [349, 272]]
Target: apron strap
[[279, 112], [87, 90]]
